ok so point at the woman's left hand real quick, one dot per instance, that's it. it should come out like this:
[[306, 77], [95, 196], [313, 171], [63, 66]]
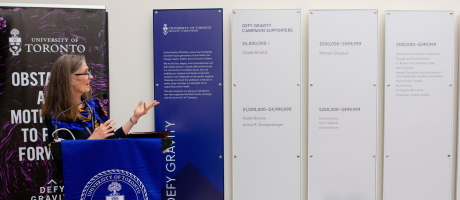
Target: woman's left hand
[[142, 110]]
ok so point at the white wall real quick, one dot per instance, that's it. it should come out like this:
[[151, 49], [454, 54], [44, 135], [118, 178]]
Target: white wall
[[131, 58]]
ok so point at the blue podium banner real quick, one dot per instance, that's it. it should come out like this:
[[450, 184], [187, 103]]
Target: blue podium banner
[[118, 169], [188, 67]]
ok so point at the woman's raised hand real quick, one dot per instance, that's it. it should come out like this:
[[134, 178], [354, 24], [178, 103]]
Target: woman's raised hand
[[103, 131], [142, 110]]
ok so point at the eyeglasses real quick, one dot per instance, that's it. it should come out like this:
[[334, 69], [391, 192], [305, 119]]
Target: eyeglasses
[[89, 74]]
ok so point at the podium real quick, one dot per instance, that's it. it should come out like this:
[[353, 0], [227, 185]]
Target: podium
[[112, 169]]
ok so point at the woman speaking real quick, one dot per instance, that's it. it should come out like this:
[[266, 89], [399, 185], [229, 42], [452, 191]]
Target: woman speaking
[[69, 84]]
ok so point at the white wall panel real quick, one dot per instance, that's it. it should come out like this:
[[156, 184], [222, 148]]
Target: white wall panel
[[342, 114], [419, 58], [266, 127]]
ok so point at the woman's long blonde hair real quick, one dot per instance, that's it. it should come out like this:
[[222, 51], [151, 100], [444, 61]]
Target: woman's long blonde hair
[[59, 93]]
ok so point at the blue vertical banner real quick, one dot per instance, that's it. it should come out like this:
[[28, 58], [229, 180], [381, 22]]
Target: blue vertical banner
[[188, 62], [32, 37]]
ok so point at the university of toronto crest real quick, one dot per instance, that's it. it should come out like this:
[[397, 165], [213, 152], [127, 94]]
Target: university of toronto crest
[[165, 29], [116, 180], [15, 42], [114, 187]]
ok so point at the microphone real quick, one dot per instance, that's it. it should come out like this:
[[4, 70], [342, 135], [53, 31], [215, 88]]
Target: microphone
[[84, 101]]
